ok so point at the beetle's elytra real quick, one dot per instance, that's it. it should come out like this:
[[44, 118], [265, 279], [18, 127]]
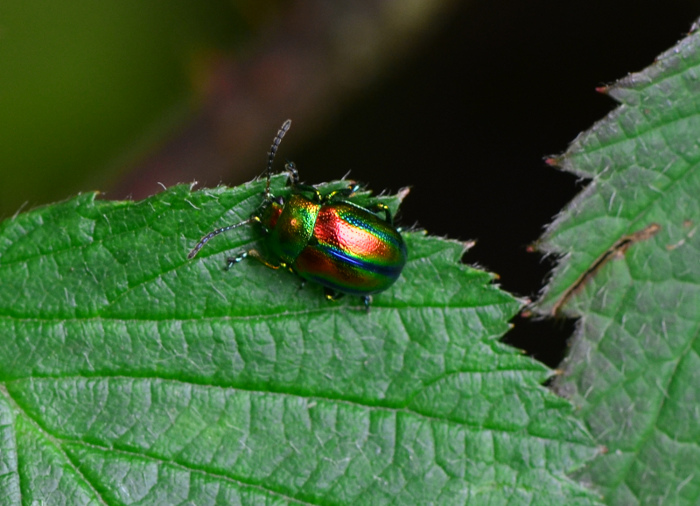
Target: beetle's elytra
[[325, 239]]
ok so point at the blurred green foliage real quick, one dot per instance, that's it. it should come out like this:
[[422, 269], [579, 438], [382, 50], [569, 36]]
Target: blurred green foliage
[[83, 82]]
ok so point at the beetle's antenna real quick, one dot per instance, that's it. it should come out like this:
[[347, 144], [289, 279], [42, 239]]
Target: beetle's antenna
[[273, 151], [216, 232]]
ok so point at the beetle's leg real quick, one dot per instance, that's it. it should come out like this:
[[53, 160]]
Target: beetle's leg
[[344, 192], [253, 254], [332, 294], [383, 208], [293, 173], [231, 261], [366, 300], [308, 188], [294, 179], [256, 255], [294, 182]]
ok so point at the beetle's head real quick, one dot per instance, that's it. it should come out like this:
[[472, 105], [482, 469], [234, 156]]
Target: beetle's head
[[270, 211]]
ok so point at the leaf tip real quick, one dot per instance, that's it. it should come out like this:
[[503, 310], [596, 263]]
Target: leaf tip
[[554, 161], [527, 312], [694, 27], [403, 193]]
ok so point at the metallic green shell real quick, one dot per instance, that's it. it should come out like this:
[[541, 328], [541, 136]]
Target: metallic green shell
[[294, 228], [352, 251]]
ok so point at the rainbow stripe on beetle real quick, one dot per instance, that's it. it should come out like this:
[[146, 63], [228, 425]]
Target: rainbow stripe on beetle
[[325, 239]]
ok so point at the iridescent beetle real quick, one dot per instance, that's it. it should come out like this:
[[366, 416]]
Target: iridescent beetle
[[346, 248]]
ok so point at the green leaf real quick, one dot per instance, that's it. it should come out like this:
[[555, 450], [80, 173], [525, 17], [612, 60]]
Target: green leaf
[[130, 375], [631, 271]]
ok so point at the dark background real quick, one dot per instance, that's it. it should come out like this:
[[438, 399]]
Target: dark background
[[468, 122]]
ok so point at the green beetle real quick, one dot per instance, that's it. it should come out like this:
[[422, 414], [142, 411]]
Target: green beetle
[[325, 239]]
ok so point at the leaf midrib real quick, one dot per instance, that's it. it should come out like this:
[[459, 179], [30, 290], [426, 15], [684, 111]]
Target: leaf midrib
[[394, 411]]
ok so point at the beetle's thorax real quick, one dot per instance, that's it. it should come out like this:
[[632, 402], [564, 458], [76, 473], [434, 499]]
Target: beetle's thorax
[[293, 226]]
